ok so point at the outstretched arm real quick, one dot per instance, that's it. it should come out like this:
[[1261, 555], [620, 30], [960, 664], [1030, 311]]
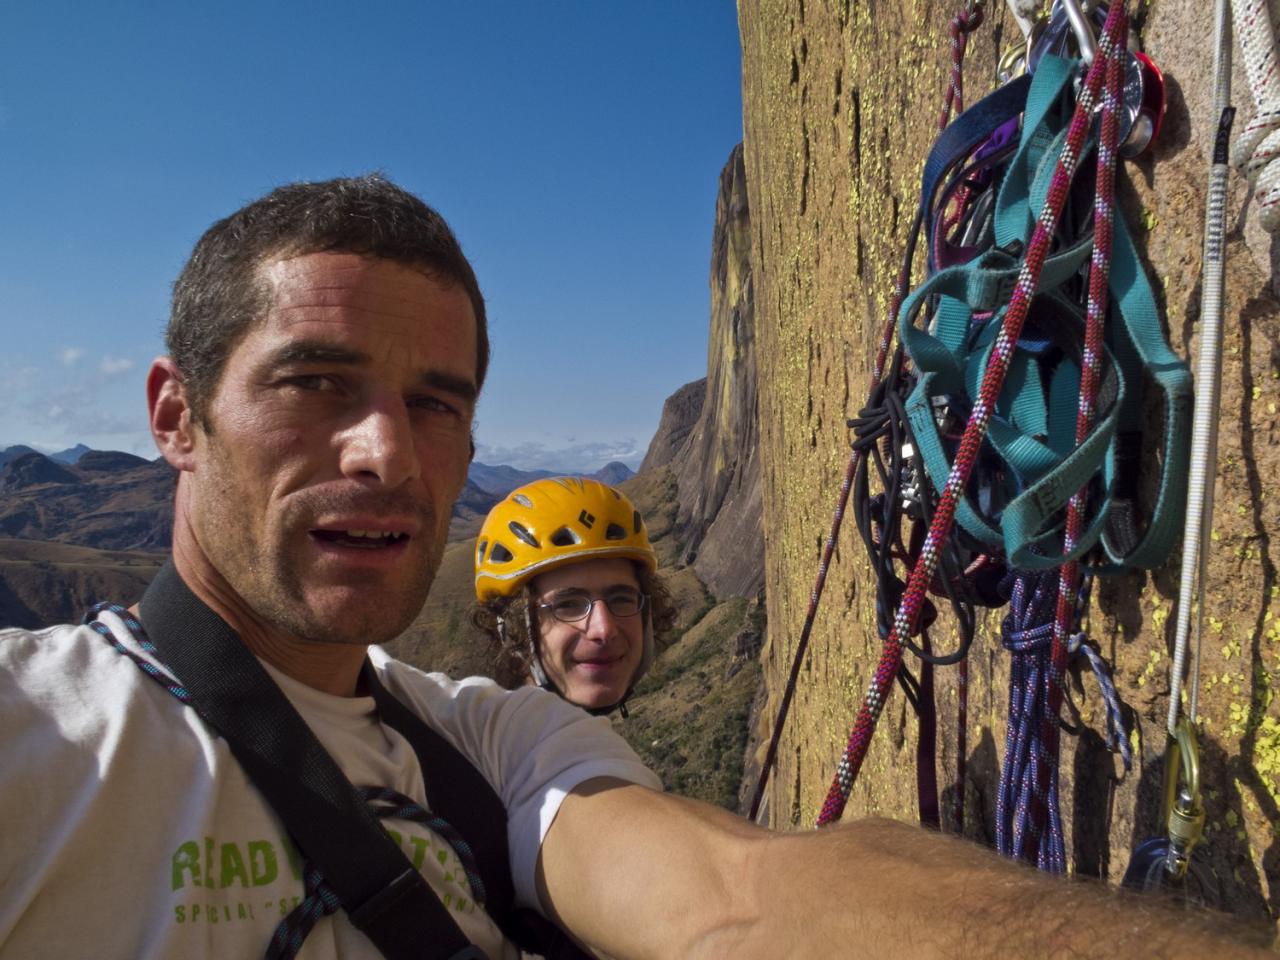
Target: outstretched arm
[[635, 873]]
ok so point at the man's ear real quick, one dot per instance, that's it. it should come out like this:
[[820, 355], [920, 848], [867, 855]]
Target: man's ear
[[172, 425]]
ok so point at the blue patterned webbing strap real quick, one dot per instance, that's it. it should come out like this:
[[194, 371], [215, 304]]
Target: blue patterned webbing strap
[[319, 899]]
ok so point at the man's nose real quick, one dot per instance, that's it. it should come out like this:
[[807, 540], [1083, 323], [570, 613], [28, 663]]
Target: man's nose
[[601, 623], [379, 446]]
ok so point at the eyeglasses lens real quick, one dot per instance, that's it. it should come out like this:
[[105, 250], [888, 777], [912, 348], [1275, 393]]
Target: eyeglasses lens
[[624, 603]]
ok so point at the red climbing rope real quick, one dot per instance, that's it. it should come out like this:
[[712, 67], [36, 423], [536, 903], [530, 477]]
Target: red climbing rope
[[964, 22]]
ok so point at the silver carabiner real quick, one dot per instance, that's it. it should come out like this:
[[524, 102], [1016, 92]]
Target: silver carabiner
[[1082, 29]]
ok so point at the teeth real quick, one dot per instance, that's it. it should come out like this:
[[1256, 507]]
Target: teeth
[[370, 534]]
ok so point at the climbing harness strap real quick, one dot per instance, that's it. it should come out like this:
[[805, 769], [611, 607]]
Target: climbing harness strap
[[329, 822], [951, 358]]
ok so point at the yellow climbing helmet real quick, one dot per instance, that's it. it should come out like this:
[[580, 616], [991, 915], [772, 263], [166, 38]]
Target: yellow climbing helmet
[[551, 522]]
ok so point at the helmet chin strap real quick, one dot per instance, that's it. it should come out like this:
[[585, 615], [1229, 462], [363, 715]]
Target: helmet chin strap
[[535, 658]]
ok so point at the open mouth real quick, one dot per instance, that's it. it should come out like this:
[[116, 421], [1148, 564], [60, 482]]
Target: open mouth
[[361, 539]]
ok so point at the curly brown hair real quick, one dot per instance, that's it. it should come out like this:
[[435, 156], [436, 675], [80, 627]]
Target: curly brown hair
[[510, 641]]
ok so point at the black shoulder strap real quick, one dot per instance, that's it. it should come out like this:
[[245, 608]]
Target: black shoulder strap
[[383, 895], [456, 791], [459, 793]]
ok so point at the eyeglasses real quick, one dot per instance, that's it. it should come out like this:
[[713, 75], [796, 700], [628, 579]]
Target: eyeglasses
[[578, 606]]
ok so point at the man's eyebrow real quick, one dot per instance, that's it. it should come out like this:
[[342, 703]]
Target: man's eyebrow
[[584, 592], [312, 351], [570, 592], [460, 387]]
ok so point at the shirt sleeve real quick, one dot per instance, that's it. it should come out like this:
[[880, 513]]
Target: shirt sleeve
[[530, 745]]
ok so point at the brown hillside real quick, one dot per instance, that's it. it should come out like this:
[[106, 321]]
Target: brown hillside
[[44, 583], [111, 502]]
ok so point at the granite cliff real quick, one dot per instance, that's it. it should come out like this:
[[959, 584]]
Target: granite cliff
[[708, 431]]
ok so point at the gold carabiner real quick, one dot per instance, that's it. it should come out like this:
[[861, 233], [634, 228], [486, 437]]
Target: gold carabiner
[[1013, 62], [1181, 811], [1016, 56]]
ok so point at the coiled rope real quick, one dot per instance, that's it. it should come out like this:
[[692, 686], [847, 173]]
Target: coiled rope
[[905, 620]]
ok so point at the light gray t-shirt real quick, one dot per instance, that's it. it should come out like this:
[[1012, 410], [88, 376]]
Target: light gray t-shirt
[[127, 829]]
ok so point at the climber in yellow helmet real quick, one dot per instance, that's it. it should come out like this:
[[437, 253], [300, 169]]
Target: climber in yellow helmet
[[566, 582]]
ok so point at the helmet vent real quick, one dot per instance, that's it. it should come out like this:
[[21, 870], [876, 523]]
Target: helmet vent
[[615, 532], [500, 554], [564, 537], [480, 551], [636, 522], [524, 501], [521, 531]]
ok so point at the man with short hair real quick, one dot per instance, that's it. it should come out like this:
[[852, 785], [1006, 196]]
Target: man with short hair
[[326, 348]]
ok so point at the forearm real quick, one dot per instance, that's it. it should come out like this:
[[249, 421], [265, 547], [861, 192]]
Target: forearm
[[894, 890], [638, 874]]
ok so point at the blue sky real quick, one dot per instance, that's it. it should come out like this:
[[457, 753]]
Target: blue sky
[[574, 147]]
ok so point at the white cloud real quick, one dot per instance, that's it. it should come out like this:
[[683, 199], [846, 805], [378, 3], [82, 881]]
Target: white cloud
[[111, 366], [71, 354], [572, 457]]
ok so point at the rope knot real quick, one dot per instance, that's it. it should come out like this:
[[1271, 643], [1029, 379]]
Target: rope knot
[[969, 19]]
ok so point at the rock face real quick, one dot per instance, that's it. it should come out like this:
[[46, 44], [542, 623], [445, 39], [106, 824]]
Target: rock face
[[501, 480], [840, 108], [72, 455], [613, 472], [680, 414], [716, 462], [14, 452], [109, 460]]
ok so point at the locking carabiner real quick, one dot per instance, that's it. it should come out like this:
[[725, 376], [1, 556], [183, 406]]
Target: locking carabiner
[[1181, 811]]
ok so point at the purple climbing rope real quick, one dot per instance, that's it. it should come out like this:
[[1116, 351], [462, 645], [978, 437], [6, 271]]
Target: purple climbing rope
[[1028, 818]]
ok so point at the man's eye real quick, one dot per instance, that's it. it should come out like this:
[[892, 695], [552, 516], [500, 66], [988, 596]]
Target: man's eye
[[432, 404], [310, 381], [623, 603], [571, 606]]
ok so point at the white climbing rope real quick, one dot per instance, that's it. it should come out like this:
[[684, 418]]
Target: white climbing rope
[[1204, 434], [1258, 147]]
